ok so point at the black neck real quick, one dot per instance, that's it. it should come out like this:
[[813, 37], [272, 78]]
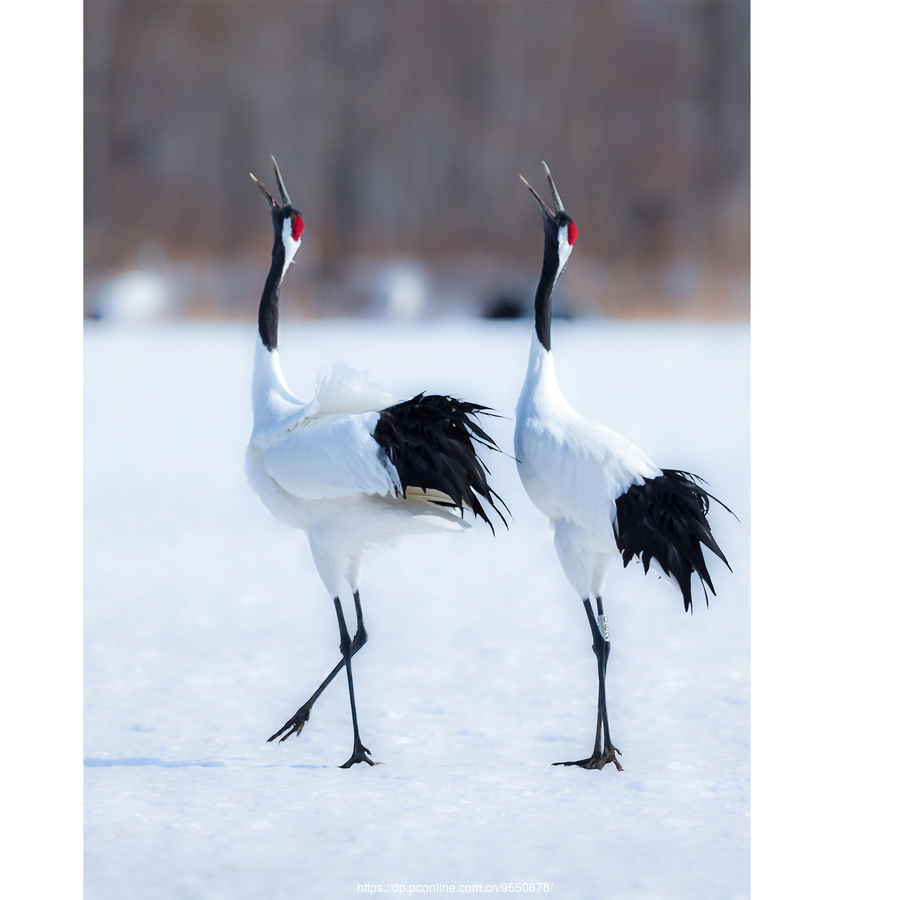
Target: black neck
[[268, 305], [543, 297]]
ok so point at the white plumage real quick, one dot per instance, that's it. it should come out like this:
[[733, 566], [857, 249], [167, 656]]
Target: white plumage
[[352, 468], [604, 497], [318, 467], [573, 470]]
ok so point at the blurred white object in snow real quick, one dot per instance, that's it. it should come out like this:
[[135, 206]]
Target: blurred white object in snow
[[401, 290], [137, 295]]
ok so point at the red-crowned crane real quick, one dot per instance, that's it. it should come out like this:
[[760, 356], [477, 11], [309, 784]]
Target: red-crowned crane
[[603, 496], [352, 468]]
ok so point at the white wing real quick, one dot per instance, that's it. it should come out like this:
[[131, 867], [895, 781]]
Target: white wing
[[574, 469], [346, 390], [331, 457]]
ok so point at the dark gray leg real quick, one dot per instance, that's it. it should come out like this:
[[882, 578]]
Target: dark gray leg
[[604, 751], [360, 753], [301, 717]]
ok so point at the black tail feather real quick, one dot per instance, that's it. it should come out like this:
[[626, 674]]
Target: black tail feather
[[430, 440], [665, 518]]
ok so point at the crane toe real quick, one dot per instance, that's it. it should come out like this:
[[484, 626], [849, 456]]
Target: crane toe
[[360, 754], [295, 724], [597, 760]]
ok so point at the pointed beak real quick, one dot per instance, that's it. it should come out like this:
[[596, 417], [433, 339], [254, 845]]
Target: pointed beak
[[556, 198], [545, 209], [272, 204], [285, 199]]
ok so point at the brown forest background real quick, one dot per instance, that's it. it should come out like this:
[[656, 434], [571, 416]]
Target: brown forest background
[[401, 129]]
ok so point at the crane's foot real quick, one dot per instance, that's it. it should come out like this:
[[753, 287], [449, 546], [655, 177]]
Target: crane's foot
[[597, 760], [295, 724], [360, 754]]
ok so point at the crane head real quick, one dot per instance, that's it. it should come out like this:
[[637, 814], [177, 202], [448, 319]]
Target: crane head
[[287, 221], [559, 228]]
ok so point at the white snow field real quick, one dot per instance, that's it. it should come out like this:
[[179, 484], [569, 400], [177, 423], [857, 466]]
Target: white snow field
[[206, 626]]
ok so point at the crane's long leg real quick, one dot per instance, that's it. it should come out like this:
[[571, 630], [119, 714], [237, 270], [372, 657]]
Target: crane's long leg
[[301, 717], [360, 753], [604, 751]]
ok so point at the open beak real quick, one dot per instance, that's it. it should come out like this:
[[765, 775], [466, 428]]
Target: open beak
[[285, 199], [556, 198]]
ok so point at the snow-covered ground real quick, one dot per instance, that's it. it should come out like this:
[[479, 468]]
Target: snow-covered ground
[[206, 626]]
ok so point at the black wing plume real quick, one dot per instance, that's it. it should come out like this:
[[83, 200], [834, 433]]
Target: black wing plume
[[430, 439], [665, 518]]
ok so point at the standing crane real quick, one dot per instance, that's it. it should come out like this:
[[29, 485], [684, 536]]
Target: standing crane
[[353, 468], [604, 497]]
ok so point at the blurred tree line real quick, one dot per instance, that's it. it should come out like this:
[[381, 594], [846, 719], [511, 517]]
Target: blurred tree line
[[402, 127]]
